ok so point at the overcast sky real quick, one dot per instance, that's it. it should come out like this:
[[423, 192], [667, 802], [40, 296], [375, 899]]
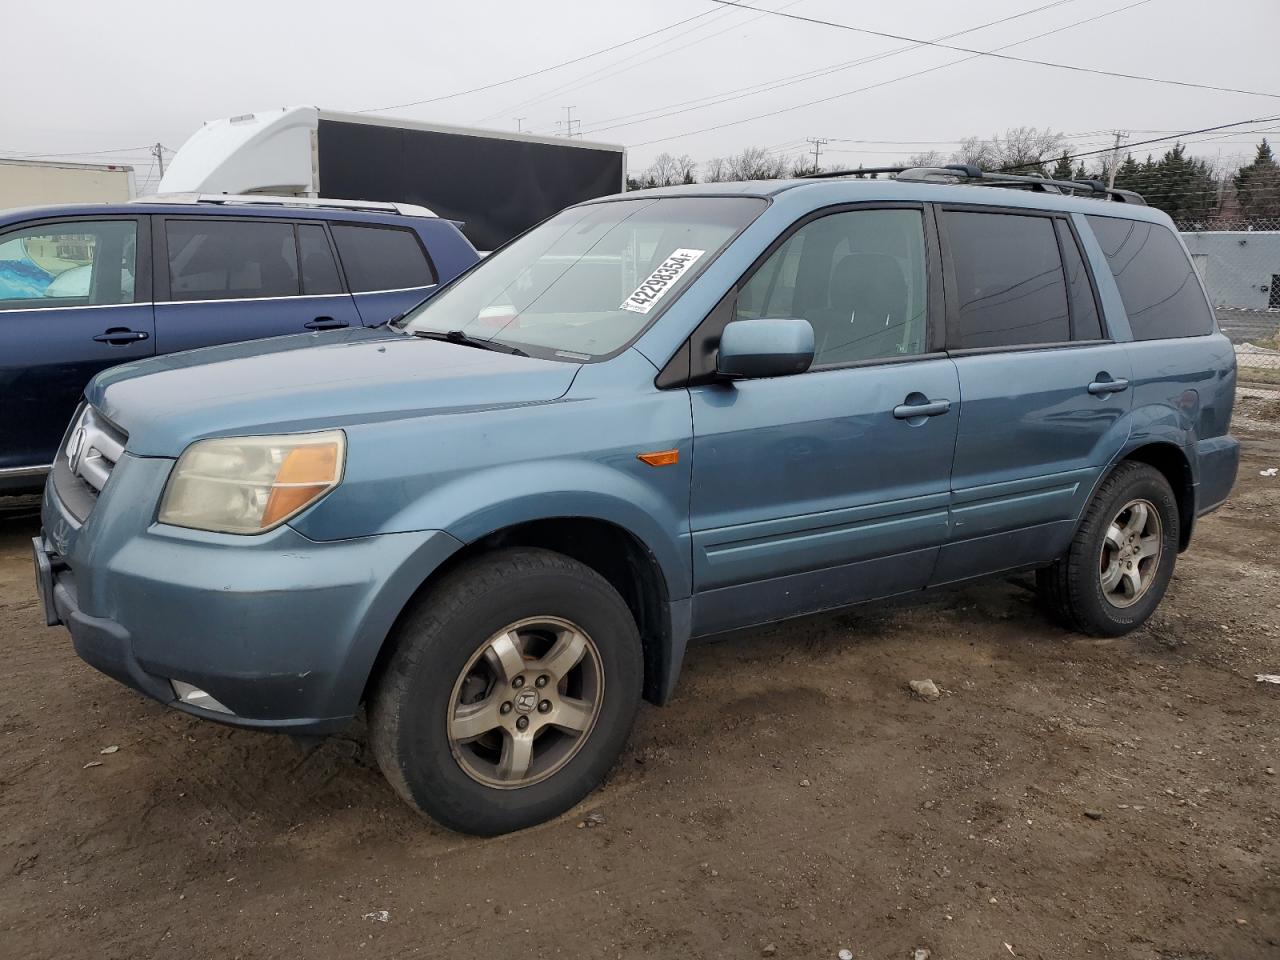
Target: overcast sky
[[83, 75]]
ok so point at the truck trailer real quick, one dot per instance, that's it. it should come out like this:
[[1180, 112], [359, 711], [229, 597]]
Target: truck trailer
[[34, 183], [495, 184]]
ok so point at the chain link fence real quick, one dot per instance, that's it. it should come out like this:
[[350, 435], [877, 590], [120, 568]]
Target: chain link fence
[[1239, 262]]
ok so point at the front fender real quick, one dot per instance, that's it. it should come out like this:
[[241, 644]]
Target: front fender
[[476, 505]]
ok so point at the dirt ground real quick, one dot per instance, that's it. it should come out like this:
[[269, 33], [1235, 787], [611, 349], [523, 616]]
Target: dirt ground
[[1067, 797]]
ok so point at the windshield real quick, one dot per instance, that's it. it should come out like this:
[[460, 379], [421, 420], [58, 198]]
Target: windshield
[[585, 283]]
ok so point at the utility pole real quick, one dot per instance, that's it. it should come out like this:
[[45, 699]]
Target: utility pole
[[1115, 158], [519, 127], [568, 121], [158, 152], [818, 143]]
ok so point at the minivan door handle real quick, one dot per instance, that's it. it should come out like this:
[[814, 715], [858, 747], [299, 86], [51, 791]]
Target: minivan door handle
[[121, 336], [1100, 388], [325, 323], [929, 408]]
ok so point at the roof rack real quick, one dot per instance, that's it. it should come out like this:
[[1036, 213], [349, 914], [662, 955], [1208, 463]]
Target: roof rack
[[377, 206], [968, 172]]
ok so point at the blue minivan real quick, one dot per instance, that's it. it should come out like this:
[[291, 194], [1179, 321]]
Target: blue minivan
[[496, 523], [85, 287]]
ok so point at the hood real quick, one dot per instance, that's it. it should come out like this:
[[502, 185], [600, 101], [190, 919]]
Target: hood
[[312, 382]]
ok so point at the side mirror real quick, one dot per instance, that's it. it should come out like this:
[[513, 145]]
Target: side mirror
[[765, 348]]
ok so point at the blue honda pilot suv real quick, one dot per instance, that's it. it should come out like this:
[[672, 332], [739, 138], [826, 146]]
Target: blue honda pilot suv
[[497, 522]]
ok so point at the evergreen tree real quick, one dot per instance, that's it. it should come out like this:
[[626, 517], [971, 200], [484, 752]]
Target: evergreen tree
[[1062, 169], [1258, 185], [1183, 187]]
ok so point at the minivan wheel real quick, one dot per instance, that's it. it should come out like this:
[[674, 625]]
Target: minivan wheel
[[1121, 560], [510, 692]]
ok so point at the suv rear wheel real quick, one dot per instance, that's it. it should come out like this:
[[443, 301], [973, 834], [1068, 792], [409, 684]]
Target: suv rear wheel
[[1121, 560], [510, 694]]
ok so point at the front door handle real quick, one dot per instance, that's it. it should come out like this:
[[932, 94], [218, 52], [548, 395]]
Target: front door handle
[[1100, 388], [325, 323], [121, 336], [929, 408]]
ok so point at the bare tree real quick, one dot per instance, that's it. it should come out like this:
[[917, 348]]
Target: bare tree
[[1021, 149], [667, 170], [757, 163], [932, 158], [716, 170]]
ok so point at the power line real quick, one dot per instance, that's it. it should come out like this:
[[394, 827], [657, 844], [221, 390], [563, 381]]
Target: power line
[[999, 56], [891, 80], [539, 72], [145, 148], [608, 70], [756, 89]]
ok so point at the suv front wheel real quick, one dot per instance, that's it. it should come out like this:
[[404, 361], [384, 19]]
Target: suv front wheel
[[1121, 560], [510, 694]]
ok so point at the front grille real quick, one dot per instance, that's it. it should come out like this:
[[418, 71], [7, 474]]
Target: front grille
[[90, 452]]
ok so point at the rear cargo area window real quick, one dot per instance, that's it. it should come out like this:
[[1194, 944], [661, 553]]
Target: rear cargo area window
[[229, 259], [1157, 282], [378, 258], [1010, 288]]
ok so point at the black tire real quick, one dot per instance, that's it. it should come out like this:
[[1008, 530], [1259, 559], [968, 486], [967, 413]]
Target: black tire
[[1072, 588], [437, 639]]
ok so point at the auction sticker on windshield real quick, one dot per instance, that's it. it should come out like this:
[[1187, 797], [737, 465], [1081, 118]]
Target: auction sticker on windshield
[[661, 280]]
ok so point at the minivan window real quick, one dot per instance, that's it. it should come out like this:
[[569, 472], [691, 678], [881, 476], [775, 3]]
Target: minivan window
[[381, 258], [1158, 285], [1086, 324], [587, 282], [215, 259], [319, 271], [858, 277], [1009, 281], [68, 265]]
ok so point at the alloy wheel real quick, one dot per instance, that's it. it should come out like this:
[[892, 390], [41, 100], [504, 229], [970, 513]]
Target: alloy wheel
[[1131, 553], [526, 702]]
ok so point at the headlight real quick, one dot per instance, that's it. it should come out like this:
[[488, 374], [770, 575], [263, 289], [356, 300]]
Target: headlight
[[251, 484]]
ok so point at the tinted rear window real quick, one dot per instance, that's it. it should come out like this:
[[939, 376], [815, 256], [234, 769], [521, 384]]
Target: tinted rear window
[[319, 272], [1158, 285], [379, 258], [1084, 309], [215, 259], [1009, 281]]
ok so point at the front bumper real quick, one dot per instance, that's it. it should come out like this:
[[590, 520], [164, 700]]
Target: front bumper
[[282, 630]]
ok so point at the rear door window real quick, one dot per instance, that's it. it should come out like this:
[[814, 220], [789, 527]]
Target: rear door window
[[1086, 324], [381, 258], [215, 259], [1010, 287], [319, 270], [1158, 284]]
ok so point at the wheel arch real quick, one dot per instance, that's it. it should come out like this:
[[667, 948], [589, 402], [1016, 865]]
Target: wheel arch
[[612, 550], [1172, 462]]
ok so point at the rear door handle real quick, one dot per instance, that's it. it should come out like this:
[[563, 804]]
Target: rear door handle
[[933, 408], [1100, 388], [325, 323], [121, 336]]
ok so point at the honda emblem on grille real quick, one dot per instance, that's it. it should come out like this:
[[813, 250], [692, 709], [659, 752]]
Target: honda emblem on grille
[[75, 449]]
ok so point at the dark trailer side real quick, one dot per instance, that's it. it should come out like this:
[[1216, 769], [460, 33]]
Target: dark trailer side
[[496, 183]]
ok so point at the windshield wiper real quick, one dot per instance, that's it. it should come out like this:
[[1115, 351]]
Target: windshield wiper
[[462, 339]]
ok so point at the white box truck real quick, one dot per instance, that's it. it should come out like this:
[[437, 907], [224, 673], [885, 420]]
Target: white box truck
[[34, 183], [495, 184]]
